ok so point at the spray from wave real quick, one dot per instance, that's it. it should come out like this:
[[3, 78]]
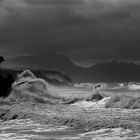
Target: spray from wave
[[28, 87]]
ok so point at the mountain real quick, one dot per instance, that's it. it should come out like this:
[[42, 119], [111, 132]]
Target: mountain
[[49, 61], [112, 71], [116, 72]]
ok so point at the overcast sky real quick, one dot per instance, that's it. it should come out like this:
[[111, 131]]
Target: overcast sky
[[88, 31]]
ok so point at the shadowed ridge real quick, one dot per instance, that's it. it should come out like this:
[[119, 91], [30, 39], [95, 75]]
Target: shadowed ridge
[[104, 72]]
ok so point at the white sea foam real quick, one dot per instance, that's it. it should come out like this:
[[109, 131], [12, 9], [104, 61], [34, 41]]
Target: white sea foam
[[91, 104], [32, 130]]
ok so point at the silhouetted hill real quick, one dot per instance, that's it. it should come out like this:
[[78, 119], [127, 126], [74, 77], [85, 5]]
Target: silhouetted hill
[[106, 72], [116, 71], [49, 61]]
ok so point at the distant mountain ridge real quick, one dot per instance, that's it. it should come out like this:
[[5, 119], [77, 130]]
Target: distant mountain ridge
[[112, 71], [49, 61]]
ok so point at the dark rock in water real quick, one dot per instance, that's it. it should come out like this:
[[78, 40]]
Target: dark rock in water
[[6, 85], [1, 59]]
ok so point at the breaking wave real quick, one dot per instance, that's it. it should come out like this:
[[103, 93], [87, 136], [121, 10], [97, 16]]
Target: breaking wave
[[28, 87], [122, 101]]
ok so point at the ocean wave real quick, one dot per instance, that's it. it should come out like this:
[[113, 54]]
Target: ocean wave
[[27, 129], [92, 104], [123, 101], [28, 87]]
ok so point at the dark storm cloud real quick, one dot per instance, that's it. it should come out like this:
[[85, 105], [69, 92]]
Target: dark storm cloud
[[53, 2], [104, 29]]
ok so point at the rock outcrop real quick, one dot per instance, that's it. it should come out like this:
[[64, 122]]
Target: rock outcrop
[[6, 85]]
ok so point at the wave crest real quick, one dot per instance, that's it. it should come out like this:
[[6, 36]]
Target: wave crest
[[28, 87]]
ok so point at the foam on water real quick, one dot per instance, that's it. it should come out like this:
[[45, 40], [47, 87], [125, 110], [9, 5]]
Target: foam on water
[[32, 89], [90, 104], [28, 130]]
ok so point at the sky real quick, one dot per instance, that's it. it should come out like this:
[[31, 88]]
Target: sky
[[87, 31]]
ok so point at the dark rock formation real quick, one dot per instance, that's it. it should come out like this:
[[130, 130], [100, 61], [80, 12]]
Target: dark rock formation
[[1, 59], [6, 85]]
